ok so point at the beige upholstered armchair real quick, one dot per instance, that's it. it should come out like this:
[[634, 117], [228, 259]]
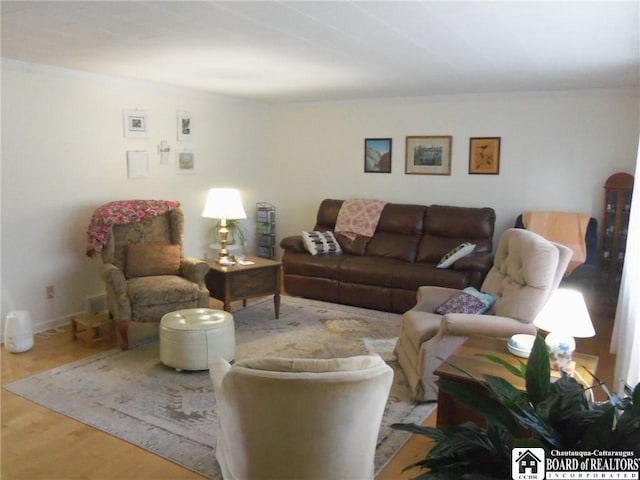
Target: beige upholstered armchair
[[144, 269], [526, 270], [292, 419]]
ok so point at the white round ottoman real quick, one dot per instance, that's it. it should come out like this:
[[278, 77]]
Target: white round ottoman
[[190, 338]]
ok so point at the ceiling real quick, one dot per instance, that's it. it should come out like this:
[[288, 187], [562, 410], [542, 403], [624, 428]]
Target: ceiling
[[317, 50]]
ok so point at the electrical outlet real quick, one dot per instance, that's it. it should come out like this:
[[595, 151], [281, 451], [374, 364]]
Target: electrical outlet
[[50, 292]]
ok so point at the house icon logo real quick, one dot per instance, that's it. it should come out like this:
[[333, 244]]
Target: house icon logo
[[527, 464]]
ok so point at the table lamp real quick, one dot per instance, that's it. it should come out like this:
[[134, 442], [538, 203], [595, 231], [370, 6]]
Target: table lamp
[[224, 204], [564, 316]]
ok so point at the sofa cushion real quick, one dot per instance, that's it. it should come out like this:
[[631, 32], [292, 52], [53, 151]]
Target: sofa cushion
[[366, 271], [150, 259], [446, 227], [352, 246], [301, 263], [393, 245], [318, 243], [328, 214], [411, 276], [456, 254], [161, 290]]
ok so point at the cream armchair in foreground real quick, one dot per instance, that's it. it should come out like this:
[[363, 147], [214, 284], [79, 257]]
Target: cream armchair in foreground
[[526, 270], [292, 419]]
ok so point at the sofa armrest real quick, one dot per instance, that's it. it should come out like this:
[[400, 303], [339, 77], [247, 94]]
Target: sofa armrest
[[476, 262], [463, 324], [194, 269], [293, 243]]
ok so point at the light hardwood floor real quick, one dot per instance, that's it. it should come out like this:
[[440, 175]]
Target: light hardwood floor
[[39, 444]]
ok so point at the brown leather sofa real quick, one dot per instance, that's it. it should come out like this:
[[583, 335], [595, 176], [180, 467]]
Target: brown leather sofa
[[401, 256]]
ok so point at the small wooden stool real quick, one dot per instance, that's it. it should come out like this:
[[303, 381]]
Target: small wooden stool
[[92, 328]]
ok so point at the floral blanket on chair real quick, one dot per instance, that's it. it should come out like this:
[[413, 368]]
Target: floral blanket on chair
[[120, 213]]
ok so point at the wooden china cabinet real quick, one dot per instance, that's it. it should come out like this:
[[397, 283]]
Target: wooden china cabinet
[[615, 225]]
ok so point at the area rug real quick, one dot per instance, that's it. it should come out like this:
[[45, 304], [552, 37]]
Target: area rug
[[134, 397]]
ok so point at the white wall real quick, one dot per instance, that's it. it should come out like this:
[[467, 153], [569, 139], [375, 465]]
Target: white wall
[[557, 150], [64, 154]]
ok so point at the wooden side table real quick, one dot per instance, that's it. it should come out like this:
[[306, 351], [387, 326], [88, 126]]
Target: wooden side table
[[451, 412], [240, 282]]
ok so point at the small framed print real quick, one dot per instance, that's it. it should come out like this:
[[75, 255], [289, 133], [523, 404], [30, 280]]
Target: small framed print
[[185, 126], [185, 161], [136, 123], [377, 155], [428, 155], [484, 155]]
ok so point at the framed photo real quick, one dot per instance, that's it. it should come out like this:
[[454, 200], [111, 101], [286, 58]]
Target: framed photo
[[185, 126], [185, 161], [377, 155], [484, 155], [136, 123], [137, 164], [428, 155]]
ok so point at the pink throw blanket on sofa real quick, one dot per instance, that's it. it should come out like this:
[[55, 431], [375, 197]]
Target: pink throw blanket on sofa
[[120, 213], [359, 217]]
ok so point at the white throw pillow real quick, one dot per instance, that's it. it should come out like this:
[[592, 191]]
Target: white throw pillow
[[320, 243], [456, 254]]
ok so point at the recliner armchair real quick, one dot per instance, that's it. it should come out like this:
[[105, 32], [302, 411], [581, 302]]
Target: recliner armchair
[[145, 272], [526, 270], [293, 419]]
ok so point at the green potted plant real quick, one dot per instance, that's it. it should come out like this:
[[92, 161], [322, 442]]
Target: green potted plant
[[550, 415]]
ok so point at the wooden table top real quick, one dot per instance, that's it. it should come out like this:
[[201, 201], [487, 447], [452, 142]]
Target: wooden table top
[[258, 262], [465, 357]]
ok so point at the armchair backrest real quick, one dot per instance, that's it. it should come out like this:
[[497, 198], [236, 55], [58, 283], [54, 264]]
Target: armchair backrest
[[167, 228], [526, 270], [300, 418]]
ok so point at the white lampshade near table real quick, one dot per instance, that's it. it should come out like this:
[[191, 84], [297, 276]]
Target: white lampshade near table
[[564, 316]]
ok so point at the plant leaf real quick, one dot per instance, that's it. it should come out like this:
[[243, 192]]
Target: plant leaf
[[489, 408], [635, 399], [518, 372], [538, 372]]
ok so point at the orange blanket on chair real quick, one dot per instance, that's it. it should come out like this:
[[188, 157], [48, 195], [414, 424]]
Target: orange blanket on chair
[[566, 228]]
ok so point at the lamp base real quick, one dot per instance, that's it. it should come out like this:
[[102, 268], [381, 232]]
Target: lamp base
[[561, 348], [226, 260]]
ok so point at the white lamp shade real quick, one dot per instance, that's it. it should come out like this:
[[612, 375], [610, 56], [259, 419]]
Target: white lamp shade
[[224, 203], [566, 313]]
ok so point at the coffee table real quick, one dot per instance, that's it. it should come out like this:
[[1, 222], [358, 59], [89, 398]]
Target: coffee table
[[451, 412], [240, 282]]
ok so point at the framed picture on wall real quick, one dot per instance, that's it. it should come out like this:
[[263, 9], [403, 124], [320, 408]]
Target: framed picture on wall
[[377, 155], [185, 126], [428, 155], [136, 123], [185, 161], [484, 155]]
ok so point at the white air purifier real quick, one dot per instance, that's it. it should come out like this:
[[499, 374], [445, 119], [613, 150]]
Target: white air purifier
[[18, 336]]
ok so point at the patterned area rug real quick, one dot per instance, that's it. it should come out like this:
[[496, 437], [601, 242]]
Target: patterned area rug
[[133, 396]]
